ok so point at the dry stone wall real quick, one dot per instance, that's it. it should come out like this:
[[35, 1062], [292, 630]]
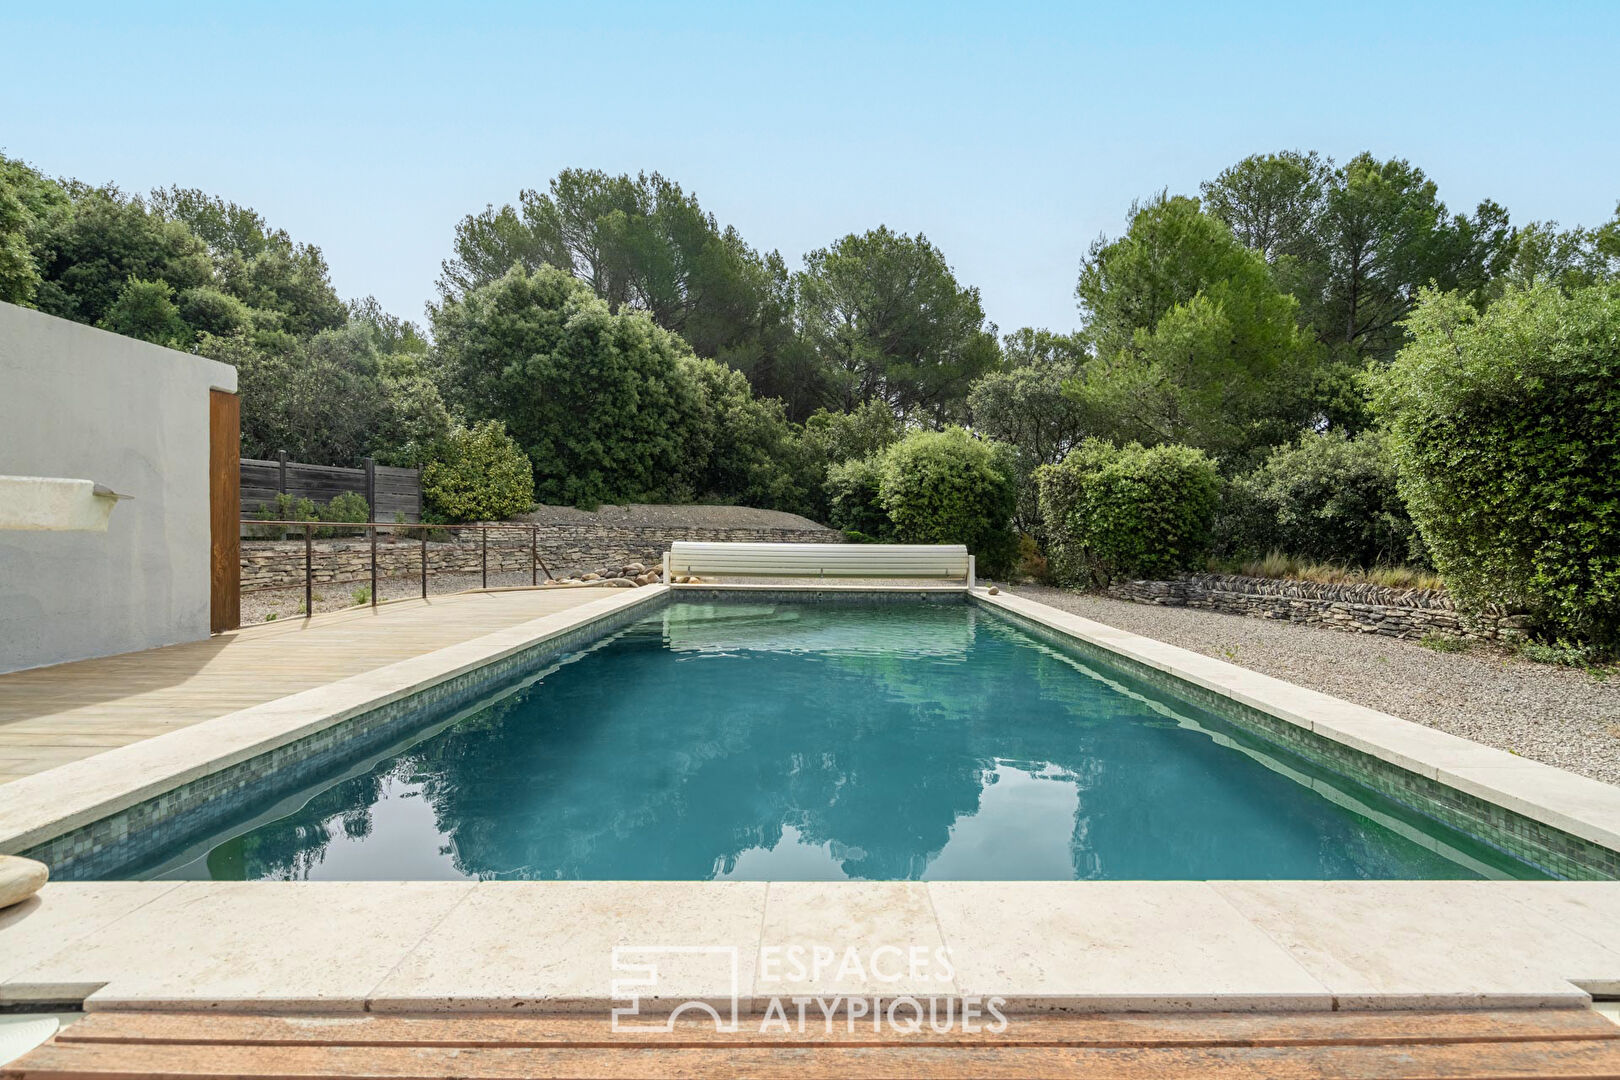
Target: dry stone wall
[[1364, 609], [566, 550]]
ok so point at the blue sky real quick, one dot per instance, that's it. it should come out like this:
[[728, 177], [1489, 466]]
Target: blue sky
[[1010, 134]]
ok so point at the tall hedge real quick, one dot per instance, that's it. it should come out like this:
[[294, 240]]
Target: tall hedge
[[1506, 432], [946, 487], [1325, 496], [1114, 512], [852, 497]]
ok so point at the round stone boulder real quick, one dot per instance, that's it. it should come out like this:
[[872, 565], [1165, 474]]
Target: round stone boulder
[[20, 878]]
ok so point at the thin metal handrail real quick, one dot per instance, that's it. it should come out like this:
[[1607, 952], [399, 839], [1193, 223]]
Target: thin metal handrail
[[536, 563]]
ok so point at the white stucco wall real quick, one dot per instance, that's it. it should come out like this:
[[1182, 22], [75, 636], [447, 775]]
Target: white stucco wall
[[83, 403]]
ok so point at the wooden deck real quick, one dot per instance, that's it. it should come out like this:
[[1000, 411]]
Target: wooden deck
[[54, 715], [1523, 1043]]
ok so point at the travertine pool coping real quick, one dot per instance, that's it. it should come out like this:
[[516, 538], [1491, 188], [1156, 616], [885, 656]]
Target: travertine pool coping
[[423, 946], [350, 947]]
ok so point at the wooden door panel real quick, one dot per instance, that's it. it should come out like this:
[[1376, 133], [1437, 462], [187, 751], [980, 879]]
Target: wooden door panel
[[225, 510]]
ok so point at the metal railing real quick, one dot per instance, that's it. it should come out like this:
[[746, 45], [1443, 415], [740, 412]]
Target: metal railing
[[340, 529]]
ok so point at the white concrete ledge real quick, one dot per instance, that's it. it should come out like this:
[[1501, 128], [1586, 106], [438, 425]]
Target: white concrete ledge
[[38, 808], [1574, 804], [1041, 946]]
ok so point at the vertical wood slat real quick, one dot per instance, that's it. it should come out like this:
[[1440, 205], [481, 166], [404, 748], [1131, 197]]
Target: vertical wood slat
[[389, 492], [224, 511]]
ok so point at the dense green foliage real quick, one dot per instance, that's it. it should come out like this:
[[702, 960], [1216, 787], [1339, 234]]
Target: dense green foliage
[[931, 487], [1505, 428], [890, 323], [168, 268], [946, 487], [350, 506], [283, 507], [1024, 406], [641, 243], [842, 436], [594, 397], [333, 397], [1116, 512], [737, 447], [853, 497], [1353, 243], [1327, 497], [1195, 344], [477, 474], [611, 406], [634, 347]]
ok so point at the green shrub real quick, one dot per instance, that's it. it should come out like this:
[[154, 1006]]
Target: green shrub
[[1115, 512], [1505, 428], [478, 474], [852, 497], [1325, 497], [210, 311], [946, 487], [738, 448], [349, 506], [283, 507], [145, 310], [594, 395]]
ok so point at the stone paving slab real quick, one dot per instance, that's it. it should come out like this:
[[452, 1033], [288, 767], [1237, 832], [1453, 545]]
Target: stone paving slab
[[348, 947], [1432, 944]]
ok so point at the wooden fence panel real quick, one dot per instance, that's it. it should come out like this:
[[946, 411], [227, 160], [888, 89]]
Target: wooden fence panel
[[397, 493]]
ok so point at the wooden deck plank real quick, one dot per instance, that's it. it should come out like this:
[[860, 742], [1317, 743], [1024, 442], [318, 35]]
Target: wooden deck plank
[[1281, 1046], [1583, 1059], [1099, 1030], [51, 716]]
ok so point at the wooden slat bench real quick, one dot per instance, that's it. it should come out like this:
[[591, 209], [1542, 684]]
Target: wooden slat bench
[[1123, 1046], [687, 558]]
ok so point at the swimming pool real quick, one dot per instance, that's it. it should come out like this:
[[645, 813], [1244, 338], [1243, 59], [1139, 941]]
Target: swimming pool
[[805, 741]]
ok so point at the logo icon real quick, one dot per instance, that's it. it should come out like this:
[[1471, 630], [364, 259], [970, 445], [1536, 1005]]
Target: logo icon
[[644, 965]]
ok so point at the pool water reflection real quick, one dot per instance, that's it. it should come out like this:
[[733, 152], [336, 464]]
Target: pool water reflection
[[811, 742]]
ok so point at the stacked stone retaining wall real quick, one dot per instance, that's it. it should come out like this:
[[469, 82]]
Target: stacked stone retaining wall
[[1360, 608], [564, 549]]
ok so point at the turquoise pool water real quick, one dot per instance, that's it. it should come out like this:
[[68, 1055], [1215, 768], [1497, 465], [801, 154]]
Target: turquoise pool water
[[809, 742]]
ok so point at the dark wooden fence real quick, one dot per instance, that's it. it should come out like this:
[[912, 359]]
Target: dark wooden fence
[[393, 494]]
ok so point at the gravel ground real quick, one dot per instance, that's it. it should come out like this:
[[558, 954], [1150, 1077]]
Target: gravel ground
[[1562, 716], [649, 515]]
